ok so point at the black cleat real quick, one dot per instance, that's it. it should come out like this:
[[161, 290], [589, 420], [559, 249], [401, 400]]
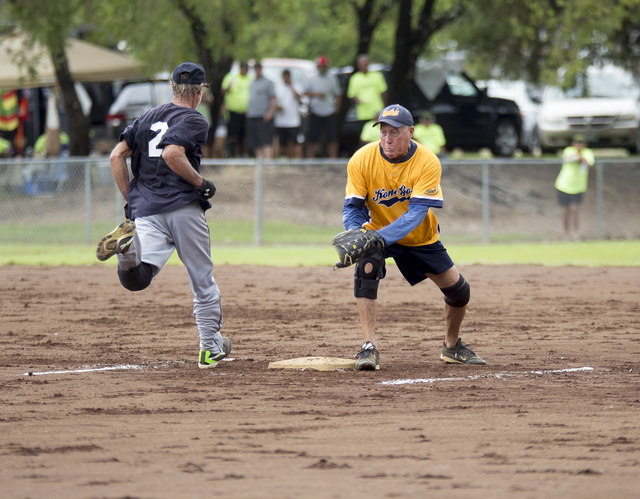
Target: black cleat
[[459, 354], [368, 358], [117, 241]]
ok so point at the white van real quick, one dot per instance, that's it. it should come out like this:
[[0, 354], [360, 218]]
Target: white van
[[603, 106]]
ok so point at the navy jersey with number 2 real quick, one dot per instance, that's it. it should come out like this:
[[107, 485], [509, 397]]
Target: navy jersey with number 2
[[155, 188]]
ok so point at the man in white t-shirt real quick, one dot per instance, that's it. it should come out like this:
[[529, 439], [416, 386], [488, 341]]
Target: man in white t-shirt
[[287, 119]]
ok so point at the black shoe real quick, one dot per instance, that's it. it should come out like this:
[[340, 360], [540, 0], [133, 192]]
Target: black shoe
[[368, 358], [459, 354]]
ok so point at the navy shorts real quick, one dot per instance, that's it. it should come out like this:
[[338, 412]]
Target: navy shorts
[[416, 261], [259, 132], [288, 135], [236, 126], [565, 199], [317, 124]]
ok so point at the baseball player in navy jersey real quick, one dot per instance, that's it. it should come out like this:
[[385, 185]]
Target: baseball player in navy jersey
[[392, 188], [165, 205]]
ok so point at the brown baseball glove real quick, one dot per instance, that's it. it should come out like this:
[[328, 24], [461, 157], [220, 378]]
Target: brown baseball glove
[[355, 245]]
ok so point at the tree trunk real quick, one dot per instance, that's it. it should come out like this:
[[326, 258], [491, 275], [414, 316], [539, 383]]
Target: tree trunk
[[410, 44], [78, 126], [404, 63], [365, 26], [215, 71]]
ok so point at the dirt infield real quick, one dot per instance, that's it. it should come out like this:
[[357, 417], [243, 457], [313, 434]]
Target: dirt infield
[[555, 413]]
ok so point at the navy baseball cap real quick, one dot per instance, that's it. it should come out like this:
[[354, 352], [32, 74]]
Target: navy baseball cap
[[396, 116], [189, 72]]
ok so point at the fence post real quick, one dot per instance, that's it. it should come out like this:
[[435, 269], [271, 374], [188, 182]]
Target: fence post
[[118, 202], [258, 208], [485, 202], [87, 202], [599, 199]]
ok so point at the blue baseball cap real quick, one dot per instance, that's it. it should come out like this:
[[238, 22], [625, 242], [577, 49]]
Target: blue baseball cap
[[189, 72], [396, 116]]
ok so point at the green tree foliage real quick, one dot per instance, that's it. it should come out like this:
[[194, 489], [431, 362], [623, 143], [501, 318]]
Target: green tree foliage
[[306, 28], [164, 33], [625, 39], [152, 32], [548, 41], [159, 34]]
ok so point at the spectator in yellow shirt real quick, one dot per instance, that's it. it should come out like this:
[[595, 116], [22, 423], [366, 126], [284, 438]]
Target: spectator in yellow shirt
[[369, 133], [367, 90], [235, 88], [572, 182], [6, 148], [430, 134], [40, 147]]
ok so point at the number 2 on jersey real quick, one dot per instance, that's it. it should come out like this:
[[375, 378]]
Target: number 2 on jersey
[[161, 127]]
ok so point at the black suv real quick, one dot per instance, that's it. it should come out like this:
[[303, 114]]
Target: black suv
[[469, 118]]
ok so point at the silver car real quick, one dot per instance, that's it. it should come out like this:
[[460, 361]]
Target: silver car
[[134, 100]]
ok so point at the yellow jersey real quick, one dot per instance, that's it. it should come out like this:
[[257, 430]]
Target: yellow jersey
[[388, 186]]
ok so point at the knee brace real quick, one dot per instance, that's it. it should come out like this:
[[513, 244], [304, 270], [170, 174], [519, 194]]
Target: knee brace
[[365, 285], [457, 295], [136, 278]]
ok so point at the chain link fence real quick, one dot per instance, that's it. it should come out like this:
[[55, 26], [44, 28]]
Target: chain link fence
[[75, 201]]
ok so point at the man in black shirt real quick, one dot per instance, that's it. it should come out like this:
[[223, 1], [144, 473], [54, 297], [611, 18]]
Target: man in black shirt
[[167, 198]]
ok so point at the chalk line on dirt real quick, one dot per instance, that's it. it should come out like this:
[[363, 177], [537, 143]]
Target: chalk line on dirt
[[478, 376], [122, 367], [109, 368]]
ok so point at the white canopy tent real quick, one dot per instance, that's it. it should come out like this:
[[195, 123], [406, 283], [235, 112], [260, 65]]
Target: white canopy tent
[[26, 65], [87, 63], [431, 75]]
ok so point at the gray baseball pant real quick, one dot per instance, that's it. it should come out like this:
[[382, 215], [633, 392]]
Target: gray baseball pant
[[184, 230]]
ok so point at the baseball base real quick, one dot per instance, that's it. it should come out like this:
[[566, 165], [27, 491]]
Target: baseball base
[[317, 363]]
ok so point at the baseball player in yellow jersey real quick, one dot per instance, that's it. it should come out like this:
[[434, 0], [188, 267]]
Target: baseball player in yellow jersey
[[392, 187]]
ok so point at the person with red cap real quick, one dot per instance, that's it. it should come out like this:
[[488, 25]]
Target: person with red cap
[[325, 95]]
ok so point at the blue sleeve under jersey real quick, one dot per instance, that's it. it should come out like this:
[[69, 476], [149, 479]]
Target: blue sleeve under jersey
[[354, 213], [405, 224]]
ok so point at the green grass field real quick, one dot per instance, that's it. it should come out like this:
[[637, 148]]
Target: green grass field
[[587, 253], [286, 244], [229, 232]]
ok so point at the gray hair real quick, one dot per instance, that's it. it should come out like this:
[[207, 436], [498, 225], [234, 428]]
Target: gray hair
[[185, 90]]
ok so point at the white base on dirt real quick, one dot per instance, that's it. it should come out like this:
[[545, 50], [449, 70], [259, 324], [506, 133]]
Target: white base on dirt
[[317, 363]]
